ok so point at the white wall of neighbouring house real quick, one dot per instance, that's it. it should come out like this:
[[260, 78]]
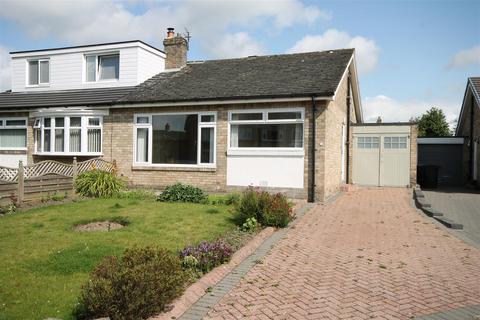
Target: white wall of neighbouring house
[[12, 160], [67, 67]]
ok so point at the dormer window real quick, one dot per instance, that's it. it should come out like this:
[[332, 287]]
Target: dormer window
[[38, 72], [102, 67]]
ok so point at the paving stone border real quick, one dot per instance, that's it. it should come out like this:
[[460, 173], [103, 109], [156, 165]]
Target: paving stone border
[[200, 309], [422, 203], [465, 313]]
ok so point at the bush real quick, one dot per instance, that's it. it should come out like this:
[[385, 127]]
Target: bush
[[251, 225], [268, 210], [98, 183], [138, 285], [208, 255], [182, 193]]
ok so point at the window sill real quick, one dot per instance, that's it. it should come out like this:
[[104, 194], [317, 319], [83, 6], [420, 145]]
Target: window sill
[[43, 85], [173, 168], [68, 154], [270, 152]]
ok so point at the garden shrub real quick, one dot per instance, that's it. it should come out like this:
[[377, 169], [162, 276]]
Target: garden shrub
[[98, 183], [183, 193], [251, 225], [208, 255], [265, 208], [137, 285]]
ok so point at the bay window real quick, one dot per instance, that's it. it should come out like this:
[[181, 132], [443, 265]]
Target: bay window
[[13, 133], [178, 139], [266, 129], [68, 135]]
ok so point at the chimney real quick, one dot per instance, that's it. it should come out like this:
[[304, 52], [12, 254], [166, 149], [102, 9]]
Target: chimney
[[176, 48]]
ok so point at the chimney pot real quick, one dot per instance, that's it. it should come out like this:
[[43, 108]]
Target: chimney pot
[[170, 33]]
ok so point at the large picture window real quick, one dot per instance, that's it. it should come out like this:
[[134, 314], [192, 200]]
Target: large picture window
[[175, 139], [266, 129], [68, 135], [13, 133]]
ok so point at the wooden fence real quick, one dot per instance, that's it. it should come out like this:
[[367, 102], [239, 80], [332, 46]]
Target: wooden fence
[[44, 179]]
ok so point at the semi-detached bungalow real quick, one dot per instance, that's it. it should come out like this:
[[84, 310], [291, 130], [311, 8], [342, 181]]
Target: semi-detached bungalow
[[281, 122]]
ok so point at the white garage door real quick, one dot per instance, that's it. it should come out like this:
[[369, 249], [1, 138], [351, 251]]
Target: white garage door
[[381, 159]]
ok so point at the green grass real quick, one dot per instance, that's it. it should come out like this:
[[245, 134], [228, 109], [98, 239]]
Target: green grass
[[44, 262]]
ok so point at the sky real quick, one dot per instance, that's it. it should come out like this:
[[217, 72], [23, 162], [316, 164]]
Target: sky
[[411, 55]]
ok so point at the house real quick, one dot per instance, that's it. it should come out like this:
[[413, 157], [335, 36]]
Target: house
[[468, 126], [281, 122]]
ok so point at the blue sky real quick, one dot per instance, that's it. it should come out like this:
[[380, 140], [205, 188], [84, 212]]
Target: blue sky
[[411, 54]]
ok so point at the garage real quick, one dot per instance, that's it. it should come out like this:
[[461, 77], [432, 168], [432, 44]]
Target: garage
[[383, 154]]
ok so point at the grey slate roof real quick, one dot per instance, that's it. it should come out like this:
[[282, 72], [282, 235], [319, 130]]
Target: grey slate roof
[[475, 83], [275, 76], [63, 98]]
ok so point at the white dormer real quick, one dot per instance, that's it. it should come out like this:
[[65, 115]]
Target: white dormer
[[119, 64]]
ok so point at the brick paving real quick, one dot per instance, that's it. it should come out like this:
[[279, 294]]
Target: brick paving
[[367, 255]]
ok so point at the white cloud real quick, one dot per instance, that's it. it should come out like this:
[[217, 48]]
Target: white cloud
[[465, 58], [4, 69], [87, 21], [236, 45], [391, 110], [367, 51]]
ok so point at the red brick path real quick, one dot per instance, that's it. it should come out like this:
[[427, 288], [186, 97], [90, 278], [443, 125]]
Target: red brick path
[[368, 255]]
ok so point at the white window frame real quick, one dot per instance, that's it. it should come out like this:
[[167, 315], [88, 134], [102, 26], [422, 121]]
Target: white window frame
[[66, 131], [97, 66], [392, 143], [200, 125], [294, 151], [3, 125], [27, 78]]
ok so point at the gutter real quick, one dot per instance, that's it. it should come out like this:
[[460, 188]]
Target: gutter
[[311, 194], [472, 114]]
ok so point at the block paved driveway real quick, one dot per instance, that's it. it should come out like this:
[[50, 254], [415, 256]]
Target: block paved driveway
[[367, 255]]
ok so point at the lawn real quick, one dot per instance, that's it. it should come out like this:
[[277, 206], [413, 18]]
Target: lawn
[[44, 262]]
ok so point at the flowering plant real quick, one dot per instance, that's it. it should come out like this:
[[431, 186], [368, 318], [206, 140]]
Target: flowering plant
[[208, 254]]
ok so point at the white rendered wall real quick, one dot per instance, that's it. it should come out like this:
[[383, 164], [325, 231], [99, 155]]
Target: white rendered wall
[[11, 160], [265, 171]]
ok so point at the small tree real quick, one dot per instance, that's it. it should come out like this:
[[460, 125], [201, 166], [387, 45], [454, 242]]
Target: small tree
[[433, 123]]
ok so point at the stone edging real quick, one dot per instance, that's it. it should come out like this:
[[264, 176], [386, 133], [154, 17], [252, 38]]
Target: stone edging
[[221, 279], [465, 313], [423, 204]]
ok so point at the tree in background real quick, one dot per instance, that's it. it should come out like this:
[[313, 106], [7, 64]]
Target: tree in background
[[433, 123]]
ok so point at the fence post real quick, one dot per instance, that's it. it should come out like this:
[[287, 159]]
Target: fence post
[[74, 175], [21, 183]]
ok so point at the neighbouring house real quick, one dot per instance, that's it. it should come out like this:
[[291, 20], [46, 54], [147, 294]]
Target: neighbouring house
[[468, 126], [281, 122]]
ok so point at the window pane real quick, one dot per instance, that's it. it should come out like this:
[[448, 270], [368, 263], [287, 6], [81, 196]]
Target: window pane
[[59, 122], [46, 140], [267, 136], [284, 115], [142, 145], [90, 62], [44, 71], [13, 138], [33, 72], [174, 139], [207, 147], [59, 140], [109, 66], [15, 123], [75, 139], [47, 122], [37, 123], [38, 139], [207, 118], [94, 137], [93, 121], [75, 122], [247, 116], [142, 119]]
